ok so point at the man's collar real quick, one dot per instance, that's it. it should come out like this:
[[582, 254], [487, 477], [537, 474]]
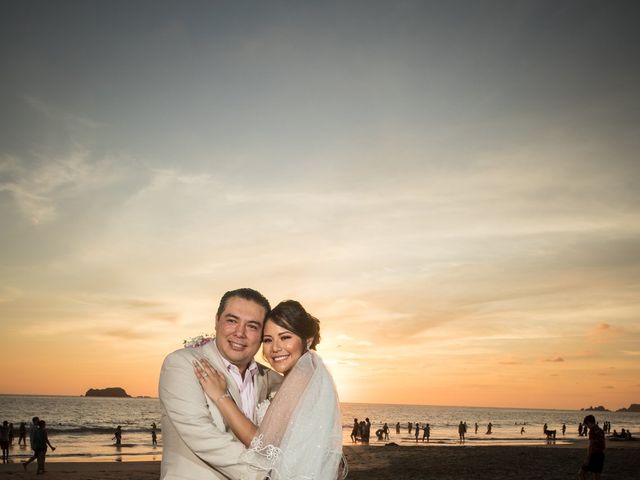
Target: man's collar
[[252, 368]]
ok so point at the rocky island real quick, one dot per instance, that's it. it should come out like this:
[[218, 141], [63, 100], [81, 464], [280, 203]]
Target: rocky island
[[599, 408], [634, 407], [107, 392]]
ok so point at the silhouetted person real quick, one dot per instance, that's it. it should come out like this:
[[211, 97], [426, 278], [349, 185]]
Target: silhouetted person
[[4, 441], [409, 427], [117, 435], [367, 429], [22, 434], [42, 441], [355, 430], [426, 433], [398, 428], [522, 431], [461, 431], [417, 431], [564, 428], [154, 435], [595, 454], [385, 429], [580, 429], [32, 436], [11, 432], [489, 427]]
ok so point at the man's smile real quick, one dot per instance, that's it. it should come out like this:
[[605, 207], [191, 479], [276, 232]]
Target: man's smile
[[236, 345]]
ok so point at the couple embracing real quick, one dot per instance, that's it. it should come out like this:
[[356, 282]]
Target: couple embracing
[[226, 416]]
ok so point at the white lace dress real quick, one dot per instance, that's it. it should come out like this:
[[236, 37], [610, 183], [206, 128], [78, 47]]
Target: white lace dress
[[300, 437]]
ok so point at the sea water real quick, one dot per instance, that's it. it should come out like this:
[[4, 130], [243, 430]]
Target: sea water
[[82, 428]]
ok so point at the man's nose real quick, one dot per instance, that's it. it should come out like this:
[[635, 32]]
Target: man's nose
[[240, 330]]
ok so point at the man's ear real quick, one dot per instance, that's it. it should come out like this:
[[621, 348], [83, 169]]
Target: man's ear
[[309, 342]]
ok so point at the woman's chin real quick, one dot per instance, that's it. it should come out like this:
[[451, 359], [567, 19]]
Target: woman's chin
[[281, 369]]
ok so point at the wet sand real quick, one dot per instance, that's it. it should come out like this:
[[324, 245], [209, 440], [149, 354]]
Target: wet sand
[[550, 462]]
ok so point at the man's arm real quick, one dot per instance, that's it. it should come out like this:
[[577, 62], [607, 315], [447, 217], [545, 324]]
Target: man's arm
[[186, 406]]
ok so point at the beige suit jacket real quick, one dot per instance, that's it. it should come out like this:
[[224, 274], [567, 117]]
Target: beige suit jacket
[[196, 442]]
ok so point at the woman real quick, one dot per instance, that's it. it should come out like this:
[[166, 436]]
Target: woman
[[300, 436]]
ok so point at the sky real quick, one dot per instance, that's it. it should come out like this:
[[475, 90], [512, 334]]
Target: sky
[[452, 188]]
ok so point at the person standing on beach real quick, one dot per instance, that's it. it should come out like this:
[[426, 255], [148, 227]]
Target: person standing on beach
[[417, 431], [476, 428], [22, 432], [398, 428], [154, 435], [461, 431], [489, 427], [117, 436], [32, 435], [196, 442], [409, 427], [367, 429], [4, 441], [426, 433], [564, 428], [355, 430], [595, 454], [41, 439]]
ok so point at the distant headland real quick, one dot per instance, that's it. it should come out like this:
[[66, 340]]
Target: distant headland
[[107, 392], [634, 407]]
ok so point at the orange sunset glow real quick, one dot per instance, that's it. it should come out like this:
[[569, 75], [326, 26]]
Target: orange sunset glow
[[454, 195]]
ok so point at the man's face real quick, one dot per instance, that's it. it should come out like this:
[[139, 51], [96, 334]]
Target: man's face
[[239, 331]]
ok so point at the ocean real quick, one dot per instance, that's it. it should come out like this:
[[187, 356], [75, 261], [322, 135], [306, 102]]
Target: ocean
[[81, 428]]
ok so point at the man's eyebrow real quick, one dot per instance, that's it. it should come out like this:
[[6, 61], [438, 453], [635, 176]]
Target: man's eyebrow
[[231, 315], [254, 322]]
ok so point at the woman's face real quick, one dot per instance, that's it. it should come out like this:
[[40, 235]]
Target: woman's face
[[281, 347]]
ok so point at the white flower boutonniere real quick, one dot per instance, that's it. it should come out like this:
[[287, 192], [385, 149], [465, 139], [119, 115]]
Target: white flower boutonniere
[[197, 341]]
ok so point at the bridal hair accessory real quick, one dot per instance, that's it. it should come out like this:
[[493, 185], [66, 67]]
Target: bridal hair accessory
[[198, 341]]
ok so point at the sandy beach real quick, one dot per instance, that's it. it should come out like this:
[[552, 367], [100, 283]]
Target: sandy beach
[[373, 463]]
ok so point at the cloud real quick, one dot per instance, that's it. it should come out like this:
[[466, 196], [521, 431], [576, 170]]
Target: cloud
[[555, 360], [127, 334], [605, 332], [38, 186]]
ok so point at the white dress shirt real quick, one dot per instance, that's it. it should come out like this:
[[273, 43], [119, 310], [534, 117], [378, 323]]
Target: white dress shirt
[[246, 387]]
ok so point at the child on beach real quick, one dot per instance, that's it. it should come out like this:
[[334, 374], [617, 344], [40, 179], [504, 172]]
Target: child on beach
[[595, 456]]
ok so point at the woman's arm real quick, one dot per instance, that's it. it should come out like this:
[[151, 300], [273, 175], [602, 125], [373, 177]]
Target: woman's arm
[[46, 439], [214, 385]]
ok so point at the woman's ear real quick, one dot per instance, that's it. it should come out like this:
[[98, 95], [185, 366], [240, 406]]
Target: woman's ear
[[309, 342]]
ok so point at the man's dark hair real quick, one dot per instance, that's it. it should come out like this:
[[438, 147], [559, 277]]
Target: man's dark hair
[[589, 419], [247, 294]]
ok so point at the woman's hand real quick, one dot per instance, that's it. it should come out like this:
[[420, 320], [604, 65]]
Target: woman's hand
[[213, 382]]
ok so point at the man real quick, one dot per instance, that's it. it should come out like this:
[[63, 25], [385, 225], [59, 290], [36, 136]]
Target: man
[[595, 457], [197, 445], [35, 421]]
